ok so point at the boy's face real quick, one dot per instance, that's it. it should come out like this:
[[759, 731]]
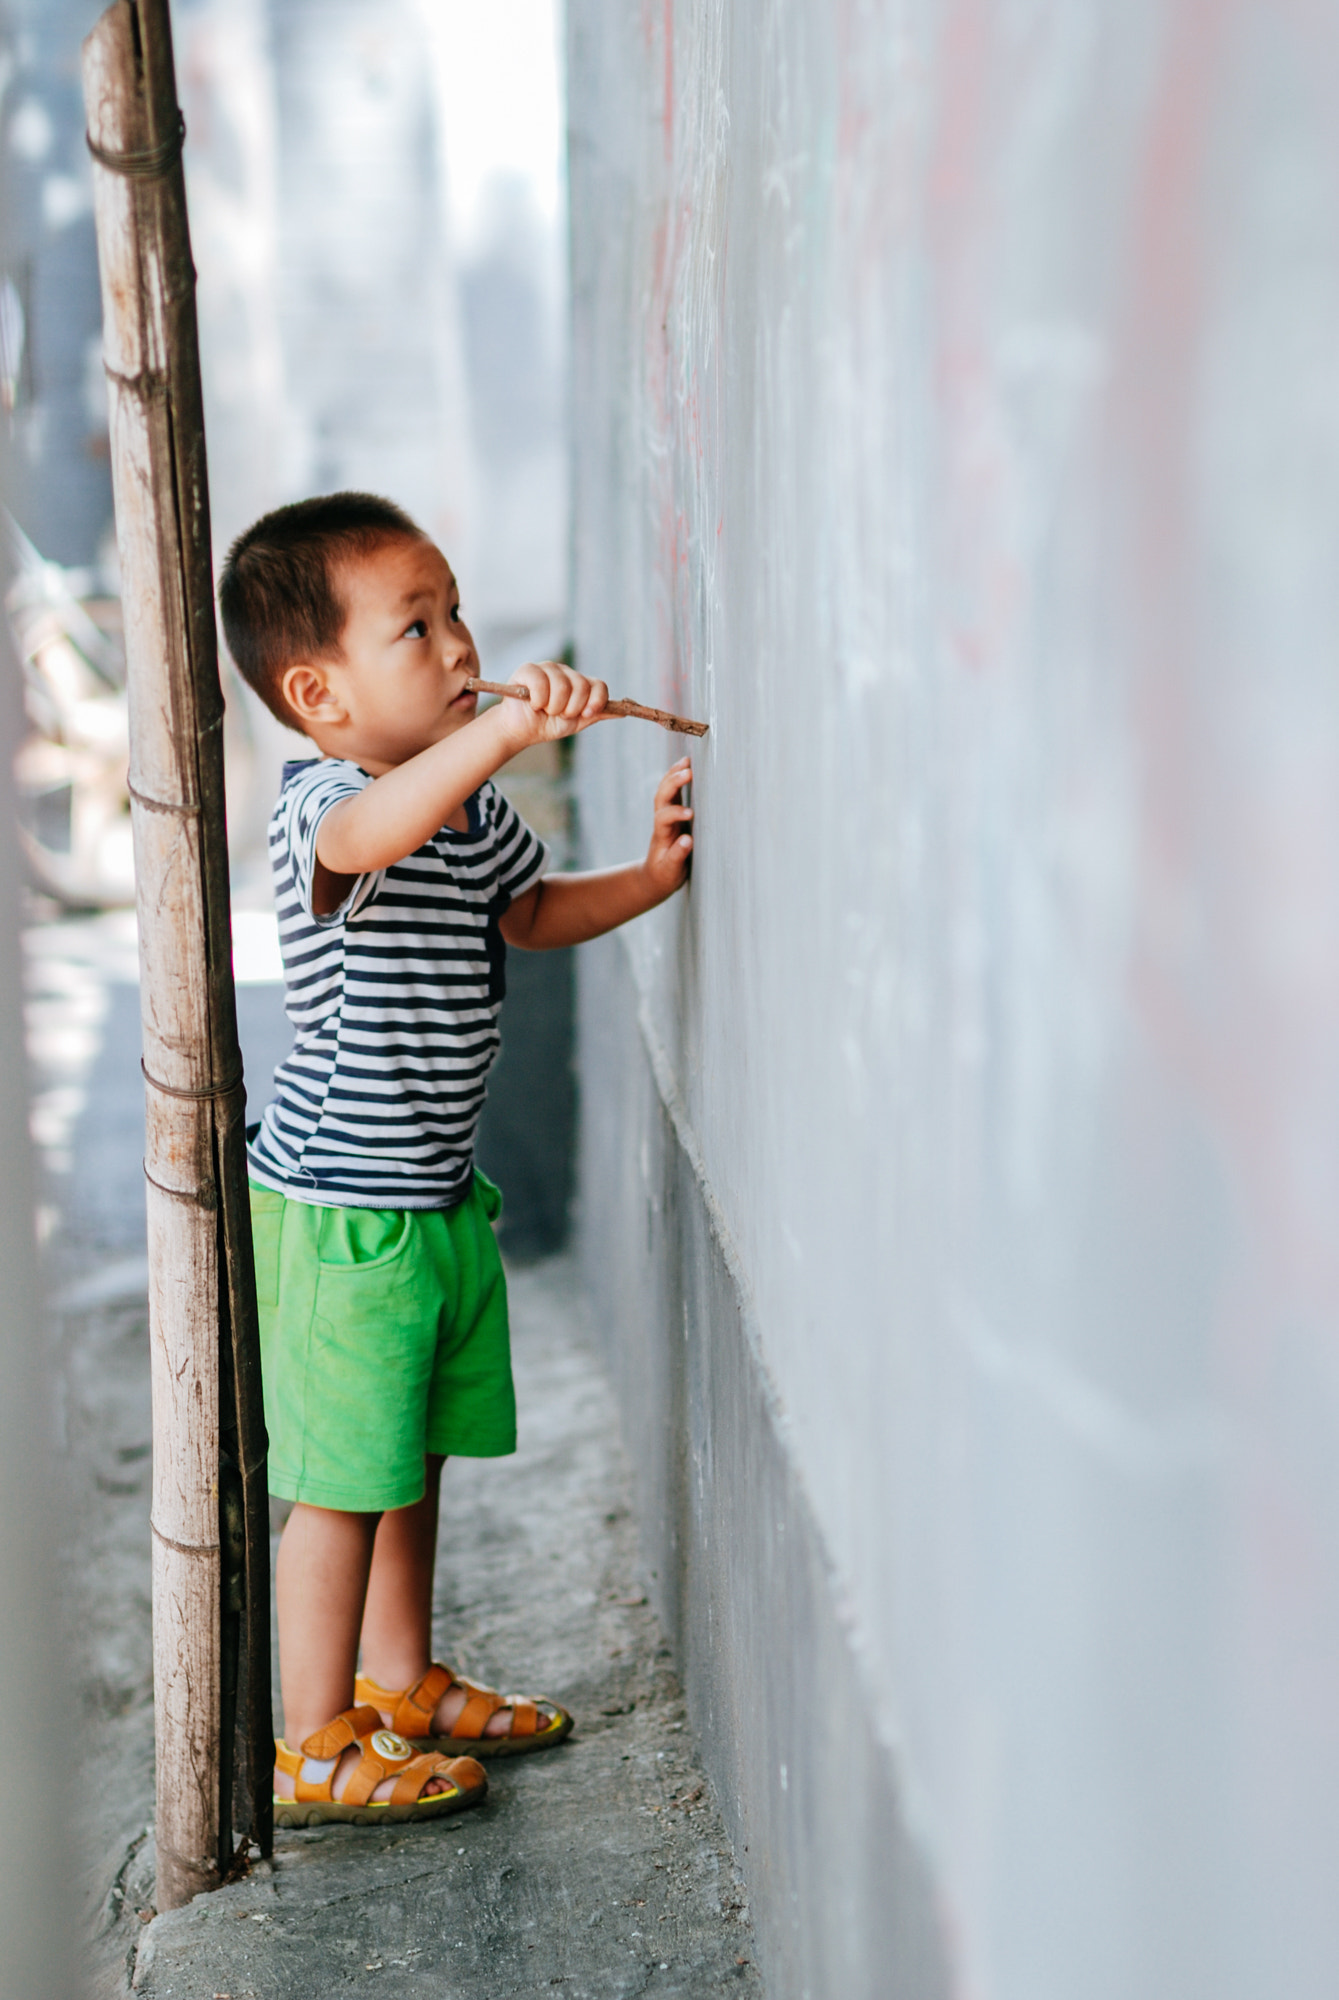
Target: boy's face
[[406, 654]]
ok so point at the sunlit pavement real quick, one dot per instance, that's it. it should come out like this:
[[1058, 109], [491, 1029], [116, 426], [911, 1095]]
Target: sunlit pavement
[[600, 1869]]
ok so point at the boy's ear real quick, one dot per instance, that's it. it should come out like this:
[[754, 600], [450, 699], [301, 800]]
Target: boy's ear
[[307, 690]]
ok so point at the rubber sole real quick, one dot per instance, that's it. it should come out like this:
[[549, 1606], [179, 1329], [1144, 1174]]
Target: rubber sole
[[308, 1812]]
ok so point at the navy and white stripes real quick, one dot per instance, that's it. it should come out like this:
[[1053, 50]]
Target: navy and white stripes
[[394, 1000]]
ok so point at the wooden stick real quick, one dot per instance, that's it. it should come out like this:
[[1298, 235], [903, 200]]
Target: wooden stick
[[210, 1512], [679, 723]]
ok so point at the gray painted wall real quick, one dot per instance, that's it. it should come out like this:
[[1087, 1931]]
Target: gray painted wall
[[957, 429]]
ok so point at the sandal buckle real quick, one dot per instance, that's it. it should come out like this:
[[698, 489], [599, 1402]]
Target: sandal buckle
[[389, 1746]]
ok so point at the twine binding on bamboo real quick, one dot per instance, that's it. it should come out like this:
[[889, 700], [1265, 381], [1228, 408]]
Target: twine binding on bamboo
[[162, 805], [206, 1090], [149, 164], [206, 1197], [182, 1548]]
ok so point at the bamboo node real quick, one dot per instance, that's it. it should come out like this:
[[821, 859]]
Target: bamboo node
[[234, 1082], [147, 164]]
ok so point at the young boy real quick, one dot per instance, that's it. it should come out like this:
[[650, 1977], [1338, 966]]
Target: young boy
[[401, 875]]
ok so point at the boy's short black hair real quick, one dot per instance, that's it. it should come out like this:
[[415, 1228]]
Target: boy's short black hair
[[277, 593]]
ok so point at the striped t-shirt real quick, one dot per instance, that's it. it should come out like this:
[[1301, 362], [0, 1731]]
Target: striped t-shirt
[[394, 999]]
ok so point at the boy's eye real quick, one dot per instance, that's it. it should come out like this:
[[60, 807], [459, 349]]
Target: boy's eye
[[455, 613], [418, 630]]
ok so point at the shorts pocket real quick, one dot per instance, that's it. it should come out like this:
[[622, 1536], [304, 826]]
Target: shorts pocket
[[489, 1194], [362, 1238]]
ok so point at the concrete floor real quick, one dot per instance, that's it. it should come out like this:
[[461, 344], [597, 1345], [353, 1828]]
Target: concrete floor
[[600, 1869]]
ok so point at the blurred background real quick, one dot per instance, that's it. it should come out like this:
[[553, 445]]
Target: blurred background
[[377, 214], [377, 205]]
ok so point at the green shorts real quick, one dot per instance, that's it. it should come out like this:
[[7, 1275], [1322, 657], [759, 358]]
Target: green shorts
[[383, 1335]]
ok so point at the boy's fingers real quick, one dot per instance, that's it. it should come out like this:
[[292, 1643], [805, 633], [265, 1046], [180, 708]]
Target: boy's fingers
[[558, 690], [578, 694], [596, 699], [674, 780], [536, 678], [554, 690]]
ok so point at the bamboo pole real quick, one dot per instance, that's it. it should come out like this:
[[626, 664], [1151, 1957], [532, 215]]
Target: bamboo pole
[[210, 1513]]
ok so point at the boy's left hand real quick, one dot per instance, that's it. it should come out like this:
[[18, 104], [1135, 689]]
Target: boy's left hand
[[568, 909], [671, 846]]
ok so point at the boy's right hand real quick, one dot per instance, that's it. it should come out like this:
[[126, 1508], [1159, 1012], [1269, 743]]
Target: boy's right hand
[[561, 703], [406, 804]]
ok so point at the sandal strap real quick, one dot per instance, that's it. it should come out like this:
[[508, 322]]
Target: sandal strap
[[382, 1754], [524, 1715], [412, 1780], [413, 1712], [339, 1734], [286, 1760], [385, 1755], [481, 1703]]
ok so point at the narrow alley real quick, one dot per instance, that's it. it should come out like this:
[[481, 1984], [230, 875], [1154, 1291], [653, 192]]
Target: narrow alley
[[601, 1870]]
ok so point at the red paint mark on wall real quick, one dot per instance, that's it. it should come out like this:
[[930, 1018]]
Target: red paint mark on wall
[[987, 589]]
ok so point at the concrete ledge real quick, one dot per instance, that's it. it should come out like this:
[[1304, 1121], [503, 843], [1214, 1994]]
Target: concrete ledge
[[842, 1899]]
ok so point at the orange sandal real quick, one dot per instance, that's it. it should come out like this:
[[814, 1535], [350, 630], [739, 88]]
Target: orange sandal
[[384, 1755], [411, 1711]]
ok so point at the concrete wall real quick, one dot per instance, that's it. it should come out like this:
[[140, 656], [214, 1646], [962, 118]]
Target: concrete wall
[[957, 429]]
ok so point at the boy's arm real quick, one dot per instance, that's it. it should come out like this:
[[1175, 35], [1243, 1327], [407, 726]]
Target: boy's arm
[[569, 909], [397, 812]]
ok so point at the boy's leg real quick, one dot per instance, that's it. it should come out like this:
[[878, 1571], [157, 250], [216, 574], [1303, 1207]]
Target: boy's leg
[[397, 1621], [320, 1582], [320, 1587]]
